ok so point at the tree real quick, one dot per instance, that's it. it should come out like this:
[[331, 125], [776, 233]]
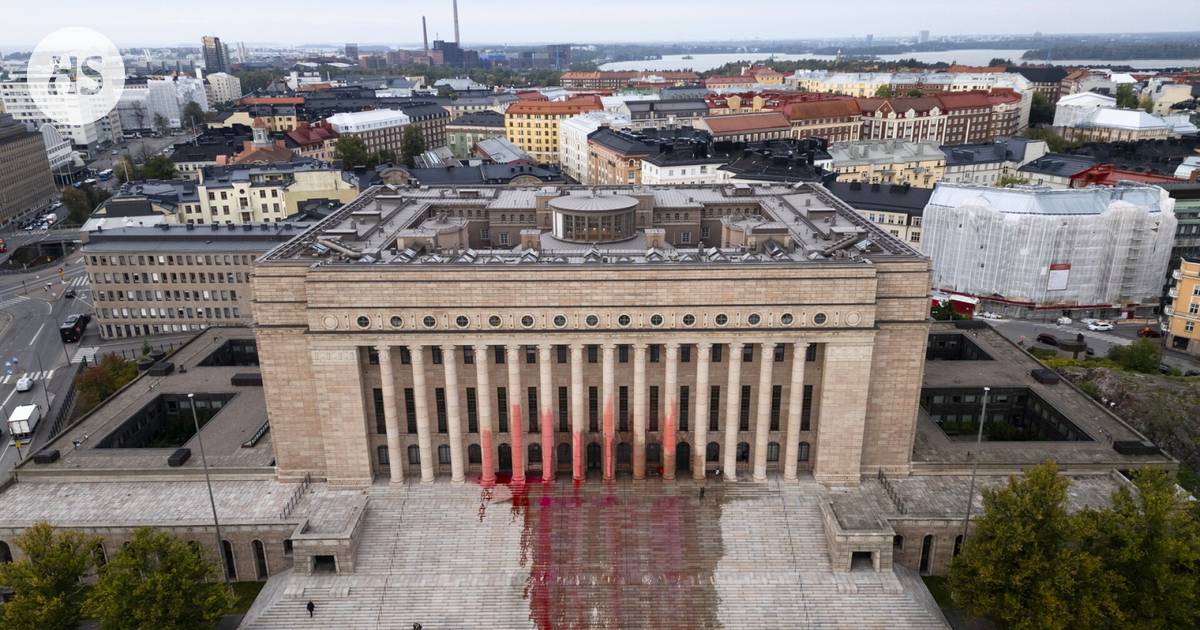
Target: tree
[[1041, 111], [1146, 104], [193, 115], [1011, 180], [1142, 355], [80, 202], [1151, 542], [254, 80], [158, 581], [97, 383], [884, 91], [352, 151], [1054, 142], [47, 583], [157, 167], [139, 112], [412, 144], [160, 123], [1020, 566], [915, 93], [1126, 97], [1000, 61]]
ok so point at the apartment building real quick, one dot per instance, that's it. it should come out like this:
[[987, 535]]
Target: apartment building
[[151, 280], [465, 131], [987, 163], [615, 80], [919, 164], [573, 141], [223, 87], [17, 102], [913, 119], [754, 127], [534, 125], [833, 120], [1183, 315], [26, 182], [380, 130], [615, 156]]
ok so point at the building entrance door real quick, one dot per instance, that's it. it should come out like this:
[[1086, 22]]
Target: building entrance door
[[505, 463], [594, 456]]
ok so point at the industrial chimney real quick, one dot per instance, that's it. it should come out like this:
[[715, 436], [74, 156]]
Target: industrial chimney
[[425, 35], [456, 39]]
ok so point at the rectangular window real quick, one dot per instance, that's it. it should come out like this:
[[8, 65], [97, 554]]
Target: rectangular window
[[685, 353], [405, 356], [806, 409], [623, 408], [655, 352], [776, 400], [717, 350], [684, 407], [653, 412], [380, 425], [502, 408], [593, 354], [472, 412], [622, 353], [410, 411], [564, 421], [811, 353], [530, 355], [593, 409], [714, 406], [748, 353], [499, 352], [744, 409], [468, 354], [439, 398], [780, 352], [372, 356], [532, 412], [561, 354], [435, 354]]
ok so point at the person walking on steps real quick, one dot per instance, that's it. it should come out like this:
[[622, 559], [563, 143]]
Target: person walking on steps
[[311, 607]]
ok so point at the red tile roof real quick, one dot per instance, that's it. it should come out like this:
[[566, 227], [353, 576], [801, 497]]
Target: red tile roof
[[1106, 175], [746, 123], [821, 109], [577, 105]]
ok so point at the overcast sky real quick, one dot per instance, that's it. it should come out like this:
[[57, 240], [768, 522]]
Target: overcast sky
[[159, 22]]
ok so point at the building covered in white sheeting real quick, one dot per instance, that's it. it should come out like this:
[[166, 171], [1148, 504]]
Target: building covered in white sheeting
[[1100, 250]]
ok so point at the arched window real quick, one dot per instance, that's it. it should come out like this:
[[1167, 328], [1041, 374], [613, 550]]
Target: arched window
[[653, 453], [260, 559], [958, 540], [444, 454], [624, 453], [743, 451], [535, 455], [926, 555], [98, 554], [474, 454], [5, 553], [803, 452], [227, 557], [414, 455], [383, 455], [564, 454], [712, 452], [773, 451]]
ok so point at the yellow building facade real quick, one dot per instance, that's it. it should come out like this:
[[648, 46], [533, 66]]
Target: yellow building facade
[[1183, 324]]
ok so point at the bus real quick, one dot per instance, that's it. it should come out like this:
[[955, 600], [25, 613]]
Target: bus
[[73, 327], [105, 175]]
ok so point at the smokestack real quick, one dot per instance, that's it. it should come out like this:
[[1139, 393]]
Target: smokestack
[[456, 39], [425, 34]]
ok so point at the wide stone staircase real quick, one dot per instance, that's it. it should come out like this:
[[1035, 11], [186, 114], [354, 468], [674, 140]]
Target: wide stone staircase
[[626, 555]]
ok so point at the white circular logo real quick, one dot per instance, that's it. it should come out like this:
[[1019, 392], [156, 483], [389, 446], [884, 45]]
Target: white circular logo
[[76, 76]]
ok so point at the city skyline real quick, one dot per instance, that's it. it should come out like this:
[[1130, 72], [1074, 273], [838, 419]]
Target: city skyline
[[376, 23]]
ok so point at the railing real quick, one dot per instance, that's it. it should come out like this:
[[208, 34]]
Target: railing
[[888, 488], [258, 435], [67, 404], [298, 494]]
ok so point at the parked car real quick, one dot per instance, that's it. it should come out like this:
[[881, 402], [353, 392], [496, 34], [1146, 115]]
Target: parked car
[[1064, 321], [1048, 339], [1149, 332], [1164, 368], [69, 294], [1192, 373], [24, 384], [1101, 326]]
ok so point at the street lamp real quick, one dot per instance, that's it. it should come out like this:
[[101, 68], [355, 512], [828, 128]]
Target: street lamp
[[975, 463], [208, 481]]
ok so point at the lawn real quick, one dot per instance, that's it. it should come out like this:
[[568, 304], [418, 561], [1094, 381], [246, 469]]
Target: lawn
[[939, 587], [245, 592]]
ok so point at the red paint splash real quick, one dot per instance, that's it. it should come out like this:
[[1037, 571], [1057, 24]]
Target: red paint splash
[[548, 444], [517, 431], [669, 436], [577, 456], [488, 467], [608, 439]]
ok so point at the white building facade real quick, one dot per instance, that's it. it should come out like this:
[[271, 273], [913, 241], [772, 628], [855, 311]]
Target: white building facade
[[223, 88], [18, 102], [573, 141]]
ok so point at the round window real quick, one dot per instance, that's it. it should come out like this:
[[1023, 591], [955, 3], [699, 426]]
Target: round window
[[462, 321], [593, 321], [623, 320], [689, 320], [397, 321], [363, 321], [429, 321], [656, 320], [786, 319], [754, 319], [722, 319], [820, 318], [560, 320], [527, 321], [494, 321]]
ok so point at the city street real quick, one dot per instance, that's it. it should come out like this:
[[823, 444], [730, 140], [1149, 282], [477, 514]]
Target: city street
[[1100, 342], [135, 148]]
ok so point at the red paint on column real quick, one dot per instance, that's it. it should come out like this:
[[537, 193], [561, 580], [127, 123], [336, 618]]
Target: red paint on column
[[577, 456], [548, 445], [608, 439], [489, 464], [669, 437], [516, 426]]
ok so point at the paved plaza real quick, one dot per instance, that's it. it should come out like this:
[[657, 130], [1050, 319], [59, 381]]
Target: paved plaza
[[598, 555]]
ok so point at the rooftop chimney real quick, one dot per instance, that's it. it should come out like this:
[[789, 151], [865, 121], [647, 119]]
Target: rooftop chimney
[[456, 39], [425, 34]]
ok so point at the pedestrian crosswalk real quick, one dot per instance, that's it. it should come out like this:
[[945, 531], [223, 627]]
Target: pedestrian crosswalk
[[77, 283], [85, 354], [13, 301], [41, 375]]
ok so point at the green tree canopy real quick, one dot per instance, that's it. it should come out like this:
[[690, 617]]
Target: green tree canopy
[[412, 144], [47, 589], [1142, 355], [158, 581], [352, 151], [155, 167], [80, 202], [1146, 104], [1126, 97], [884, 91], [193, 115], [97, 383], [1041, 111], [254, 80], [1020, 566], [1151, 542]]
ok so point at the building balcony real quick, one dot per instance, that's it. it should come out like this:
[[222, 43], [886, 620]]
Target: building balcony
[[1174, 292], [1176, 275], [1167, 310]]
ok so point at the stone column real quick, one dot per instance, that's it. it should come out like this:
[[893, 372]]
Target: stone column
[[421, 405], [671, 418], [700, 420], [795, 410], [733, 394], [546, 402], [577, 421], [453, 413], [483, 405], [845, 382], [608, 387], [516, 420], [762, 425], [639, 411], [390, 420]]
